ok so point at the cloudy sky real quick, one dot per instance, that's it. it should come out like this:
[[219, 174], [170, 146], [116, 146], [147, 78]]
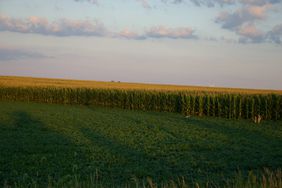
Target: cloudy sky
[[229, 43]]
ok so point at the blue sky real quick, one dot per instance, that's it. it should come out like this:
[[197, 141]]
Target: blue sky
[[228, 43]]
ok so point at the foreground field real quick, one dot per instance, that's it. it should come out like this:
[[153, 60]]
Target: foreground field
[[43, 143]]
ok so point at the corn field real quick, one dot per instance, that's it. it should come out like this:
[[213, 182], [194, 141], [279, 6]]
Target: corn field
[[226, 105]]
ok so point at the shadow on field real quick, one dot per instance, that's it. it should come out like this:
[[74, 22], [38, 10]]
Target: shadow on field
[[216, 125], [162, 147], [196, 148], [243, 147], [128, 162], [31, 152]]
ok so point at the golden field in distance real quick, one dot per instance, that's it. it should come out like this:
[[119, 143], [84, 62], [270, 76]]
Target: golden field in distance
[[12, 81]]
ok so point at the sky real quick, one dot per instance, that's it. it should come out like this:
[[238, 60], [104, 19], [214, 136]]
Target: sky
[[222, 43]]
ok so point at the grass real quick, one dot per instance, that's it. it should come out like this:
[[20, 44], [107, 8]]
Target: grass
[[45, 144], [13, 81]]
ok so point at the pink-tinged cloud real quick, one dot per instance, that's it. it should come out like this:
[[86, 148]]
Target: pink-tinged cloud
[[62, 27], [259, 11], [250, 30], [126, 33], [241, 16], [175, 33], [159, 32], [249, 33], [66, 27], [243, 21]]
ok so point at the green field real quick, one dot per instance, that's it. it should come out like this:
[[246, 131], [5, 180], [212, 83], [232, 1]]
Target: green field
[[45, 144]]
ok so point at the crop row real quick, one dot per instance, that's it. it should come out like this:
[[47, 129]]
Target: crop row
[[227, 105]]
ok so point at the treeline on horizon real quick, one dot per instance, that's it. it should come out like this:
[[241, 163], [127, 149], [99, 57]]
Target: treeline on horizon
[[194, 103]]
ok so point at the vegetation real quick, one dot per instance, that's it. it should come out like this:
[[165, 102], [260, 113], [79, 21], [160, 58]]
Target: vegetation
[[226, 105], [73, 146], [265, 179], [10, 81]]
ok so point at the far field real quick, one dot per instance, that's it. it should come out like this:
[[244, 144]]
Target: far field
[[60, 143], [12, 81]]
